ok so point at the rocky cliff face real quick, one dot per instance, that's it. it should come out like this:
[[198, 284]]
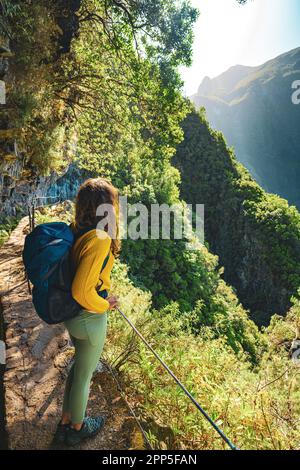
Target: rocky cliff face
[[20, 184], [36, 140], [17, 193]]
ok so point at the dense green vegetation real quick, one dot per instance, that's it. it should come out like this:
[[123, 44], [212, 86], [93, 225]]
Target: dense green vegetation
[[255, 234], [112, 89], [97, 82], [258, 406], [6, 227]]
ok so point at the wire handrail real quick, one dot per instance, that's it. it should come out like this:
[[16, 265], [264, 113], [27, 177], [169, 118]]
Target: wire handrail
[[179, 383], [123, 395]]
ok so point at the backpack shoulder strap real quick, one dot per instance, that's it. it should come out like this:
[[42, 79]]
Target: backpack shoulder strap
[[83, 232], [105, 262]]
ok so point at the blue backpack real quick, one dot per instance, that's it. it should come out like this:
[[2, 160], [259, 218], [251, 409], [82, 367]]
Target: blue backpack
[[47, 262]]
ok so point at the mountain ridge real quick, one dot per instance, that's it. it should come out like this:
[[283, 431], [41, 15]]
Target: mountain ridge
[[244, 104], [248, 69]]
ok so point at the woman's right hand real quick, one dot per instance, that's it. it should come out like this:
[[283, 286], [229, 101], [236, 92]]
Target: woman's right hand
[[113, 302]]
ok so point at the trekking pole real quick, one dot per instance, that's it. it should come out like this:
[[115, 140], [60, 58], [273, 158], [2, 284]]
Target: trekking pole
[[188, 394]]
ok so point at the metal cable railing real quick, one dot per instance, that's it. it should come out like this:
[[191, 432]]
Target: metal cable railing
[[179, 383]]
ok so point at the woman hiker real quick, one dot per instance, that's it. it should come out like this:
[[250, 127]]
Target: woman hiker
[[93, 255]]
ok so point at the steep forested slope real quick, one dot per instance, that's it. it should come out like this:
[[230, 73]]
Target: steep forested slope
[[255, 234], [253, 107]]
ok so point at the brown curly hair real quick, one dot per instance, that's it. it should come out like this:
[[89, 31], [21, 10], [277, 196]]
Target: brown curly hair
[[91, 194]]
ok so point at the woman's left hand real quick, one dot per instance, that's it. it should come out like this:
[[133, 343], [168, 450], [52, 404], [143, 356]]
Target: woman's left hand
[[113, 302]]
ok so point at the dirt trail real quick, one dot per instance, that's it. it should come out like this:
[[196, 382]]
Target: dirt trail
[[38, 358]]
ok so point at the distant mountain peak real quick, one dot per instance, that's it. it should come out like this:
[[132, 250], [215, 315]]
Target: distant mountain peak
[[233, 78], [225, 82], [253, 108]]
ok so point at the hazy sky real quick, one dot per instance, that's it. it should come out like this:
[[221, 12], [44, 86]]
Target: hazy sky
[[227, 34]]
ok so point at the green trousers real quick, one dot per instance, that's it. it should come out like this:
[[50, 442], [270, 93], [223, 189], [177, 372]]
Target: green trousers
[[87, 332]]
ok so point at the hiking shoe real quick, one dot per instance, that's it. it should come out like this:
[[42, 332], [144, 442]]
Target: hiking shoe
[[91, 427], [60, 433]]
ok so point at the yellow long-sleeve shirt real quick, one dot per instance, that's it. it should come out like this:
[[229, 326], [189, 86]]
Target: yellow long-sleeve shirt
[[88, 255]]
